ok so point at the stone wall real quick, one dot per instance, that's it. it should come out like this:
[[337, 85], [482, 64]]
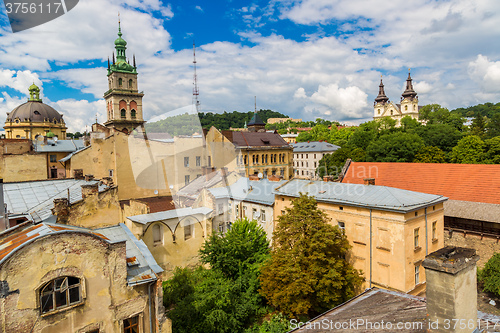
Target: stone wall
[[485, 246], [26, 167]]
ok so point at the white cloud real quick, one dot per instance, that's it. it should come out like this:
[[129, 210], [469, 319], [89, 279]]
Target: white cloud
[[199, 8], [486, 73]]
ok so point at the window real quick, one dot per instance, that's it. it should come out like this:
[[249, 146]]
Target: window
[[60, 293], [257, 159], [417, 274], [282, 212], [188, 231], [130, 83], [244, 211], [314, 156], [406, 107], [415, 238], [416, 213], [253, 159], [237, 210], [221, 208], [132, 114], [392, 112], [210, 160], [53, 158], [378, 111], [110, 172], [307, 155], [263, 215], [434, 230], [341, 208], [131, 325], [186, 161], [341, 225], [157, 234], [123, 113], [198, 160], [120, 82], [315, 165], [186, 179], [255, 215]]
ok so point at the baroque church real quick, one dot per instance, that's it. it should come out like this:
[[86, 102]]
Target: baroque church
[[408, 105]]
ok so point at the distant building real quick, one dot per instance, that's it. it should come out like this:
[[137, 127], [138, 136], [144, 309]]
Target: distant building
[[390, 230], [408, 106], [256, 124], [34, 119], [290, 137], [306, 157], [282, 120]]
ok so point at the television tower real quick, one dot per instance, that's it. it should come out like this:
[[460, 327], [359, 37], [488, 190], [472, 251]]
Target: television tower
[[196, 91]]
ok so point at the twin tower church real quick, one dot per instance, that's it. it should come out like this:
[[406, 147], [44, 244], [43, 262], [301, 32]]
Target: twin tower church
[[34, 119]]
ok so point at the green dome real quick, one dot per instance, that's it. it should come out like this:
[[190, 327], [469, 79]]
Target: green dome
[[120, 42], [34, 87], [50, 134]]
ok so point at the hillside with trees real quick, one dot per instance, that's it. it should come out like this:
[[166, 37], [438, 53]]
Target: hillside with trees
[[186, 124]]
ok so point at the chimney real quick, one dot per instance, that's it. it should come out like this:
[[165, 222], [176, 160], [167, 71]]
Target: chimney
[[451, 288], [223, 171], [45, 142], [89, 177], [369, 181], [61, 210], [3, 220], [88, 190], [78, 174]]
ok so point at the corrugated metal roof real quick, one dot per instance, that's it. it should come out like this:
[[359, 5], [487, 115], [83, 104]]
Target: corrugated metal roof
[[313, 146], [141, 266], [193, 188], [169, 214], [257, 191], [59, 146], [37, 197], [369, 196]]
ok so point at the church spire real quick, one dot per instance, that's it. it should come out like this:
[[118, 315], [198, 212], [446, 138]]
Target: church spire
[[122, 64], [381, 98], [409, 92]]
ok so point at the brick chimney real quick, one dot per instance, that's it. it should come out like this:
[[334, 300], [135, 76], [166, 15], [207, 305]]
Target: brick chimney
[[78, 174], [61, 210], [451, 288], [91, 189], [369, 181], [89, 177]]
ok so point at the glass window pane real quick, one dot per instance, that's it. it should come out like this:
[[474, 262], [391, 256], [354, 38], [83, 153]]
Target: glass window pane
[[74, 295], [61, 299], [47, 303], [73, 280]]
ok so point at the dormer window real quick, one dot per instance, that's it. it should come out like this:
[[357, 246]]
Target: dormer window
[[36, 112]]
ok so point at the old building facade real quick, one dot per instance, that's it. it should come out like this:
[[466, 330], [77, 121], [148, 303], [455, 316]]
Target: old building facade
[[306, 157]]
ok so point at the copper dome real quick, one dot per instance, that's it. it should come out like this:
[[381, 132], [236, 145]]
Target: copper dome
[[36, 112]]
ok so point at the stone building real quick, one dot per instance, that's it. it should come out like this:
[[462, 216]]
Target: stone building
[[390, 230], [83, 281], [408, 105], [306, 157], [34, 119]]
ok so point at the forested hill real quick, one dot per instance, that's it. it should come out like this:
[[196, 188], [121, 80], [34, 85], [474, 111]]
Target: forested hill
[[186, 124], [486, 110]]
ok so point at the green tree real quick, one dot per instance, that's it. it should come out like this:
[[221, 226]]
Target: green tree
[[308, 271], [429, 154], [332, 164], [443, 136], [493, 126], [435, 114], [469, 150], [364, 134], [490, 275], [395, 147], [492, 151], [278, 323], [478, 126]]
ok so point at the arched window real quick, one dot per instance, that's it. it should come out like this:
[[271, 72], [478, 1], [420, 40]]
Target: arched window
[[130, 83], [157, 234], [60, 293], [120, 82], [406, 107], [188, 230], [392, 112], [378, 111], [123, 113], [132, 113]]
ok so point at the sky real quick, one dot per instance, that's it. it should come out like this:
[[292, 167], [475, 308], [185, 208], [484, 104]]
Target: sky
[[303, 58]]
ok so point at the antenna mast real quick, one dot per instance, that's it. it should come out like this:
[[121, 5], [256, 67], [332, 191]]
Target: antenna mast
[[196, 91]]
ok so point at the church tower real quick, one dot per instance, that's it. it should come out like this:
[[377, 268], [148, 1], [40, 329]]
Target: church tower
[[123, 100], [409, 100]]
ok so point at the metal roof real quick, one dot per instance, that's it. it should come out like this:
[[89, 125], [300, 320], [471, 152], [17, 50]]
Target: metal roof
[[169, 214], [192, 189], [368, 196], [37, 197], [59, 146], [313, 146], [257, 191], [141, 266]]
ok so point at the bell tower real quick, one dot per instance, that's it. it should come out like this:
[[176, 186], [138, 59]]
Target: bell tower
[[123, 100]]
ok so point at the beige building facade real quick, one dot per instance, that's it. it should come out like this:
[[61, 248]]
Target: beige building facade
[[306, 157], [389, 240]]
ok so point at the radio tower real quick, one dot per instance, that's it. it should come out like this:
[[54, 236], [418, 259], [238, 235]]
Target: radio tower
[[196, 91]]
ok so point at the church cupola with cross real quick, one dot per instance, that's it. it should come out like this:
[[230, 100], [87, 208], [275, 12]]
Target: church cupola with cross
[[123, 99]]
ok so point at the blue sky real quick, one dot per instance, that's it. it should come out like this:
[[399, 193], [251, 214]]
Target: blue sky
[[304, 58]]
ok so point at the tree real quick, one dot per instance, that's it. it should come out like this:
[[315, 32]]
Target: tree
[[308, 271], [435, 114], [468, 150], [493, 126], [395, 147], [478, 126], [429, 154], [492, 151], [490, 275], [278, 323], [332, 164], [364, 134], [443, 136]]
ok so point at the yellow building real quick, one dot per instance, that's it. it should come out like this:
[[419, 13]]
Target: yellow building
[[408, 106], [390, 230], [250, 153], [61, 279], [282, 120], [34, 119]]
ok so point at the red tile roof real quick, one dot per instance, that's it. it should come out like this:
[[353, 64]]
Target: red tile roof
[[466, 182]]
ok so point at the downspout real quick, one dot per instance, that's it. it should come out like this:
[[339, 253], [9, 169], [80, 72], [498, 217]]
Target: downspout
[[150, 308], [371, 236], [426, 242]]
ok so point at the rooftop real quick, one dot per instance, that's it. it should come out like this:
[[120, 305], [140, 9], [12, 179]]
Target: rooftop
[[58, 146], [465, 182], [368, 196], [257, 191], [255, 139], [313, 146], [169, 214]]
